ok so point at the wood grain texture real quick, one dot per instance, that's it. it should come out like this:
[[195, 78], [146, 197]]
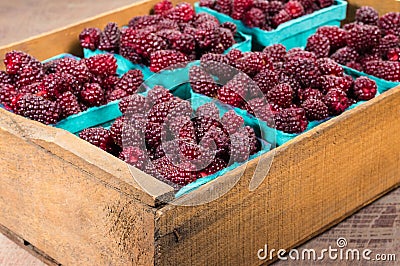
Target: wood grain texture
[[68, 212], [315, 181]]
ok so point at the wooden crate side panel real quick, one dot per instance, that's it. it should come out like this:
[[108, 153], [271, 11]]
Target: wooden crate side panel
[[107, 168], [315, 181], [383, 6], [67, 212]]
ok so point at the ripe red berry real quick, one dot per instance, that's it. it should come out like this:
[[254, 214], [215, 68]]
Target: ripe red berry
[[92, 95], [294, 8], [291, 120], [335, 35], [280, 18], [202, 82], [390, 23], [209, 110], [130, 81], [133, 104], [275, 52], [337, 101], [110, 38], [36, 108], [134, 156], [102, 65], [363, 38], [367, 15], [364, 89], [232, 122], [254, 17], [319, 45], [315, 109], [182, 12], [281, 95], [162, 59], [90, 38], [162, 7], [388, 70], [68, 104], [99, 137]]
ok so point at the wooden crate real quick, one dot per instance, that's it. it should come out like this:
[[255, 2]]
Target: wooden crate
[[73, 203]]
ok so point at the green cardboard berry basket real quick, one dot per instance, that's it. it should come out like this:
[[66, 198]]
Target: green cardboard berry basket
[[293, 33]]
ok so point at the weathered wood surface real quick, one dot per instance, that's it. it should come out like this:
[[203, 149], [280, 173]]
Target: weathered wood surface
[[65, 209]]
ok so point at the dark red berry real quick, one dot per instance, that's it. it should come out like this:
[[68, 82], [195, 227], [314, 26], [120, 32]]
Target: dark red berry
[[158, 95], [99, 137], [319, 45], [254, 17], [16, 61], [281, 95], [337, 101], [162, 59], [294, 8], [162, 7], [315, 109], [134, 156], [388, 70], [109, 38], [363, 38], [182, 12], [345, 55], [202, 82], [216, 165], [367, 15], [329, 67], [291, 120], [133, 104], [37, 108], [335, 35], [232, 122], [390, 23], [90, 38], [102, 65], [280, 18], [240, 7], [130, 81], [364, 89], [68, 104], [275, 53], [75, 68], [266, 80], [92, 95], [223, 6], [209, 110]]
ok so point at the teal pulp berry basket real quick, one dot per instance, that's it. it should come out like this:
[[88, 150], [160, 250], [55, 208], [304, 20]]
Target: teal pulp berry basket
[[293, 33], [243, 43]]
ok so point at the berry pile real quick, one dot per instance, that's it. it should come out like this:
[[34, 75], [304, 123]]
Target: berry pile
[[266, 14], [285, 88], [52, 91], [170, 36], [161, 135], [370, 44]]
